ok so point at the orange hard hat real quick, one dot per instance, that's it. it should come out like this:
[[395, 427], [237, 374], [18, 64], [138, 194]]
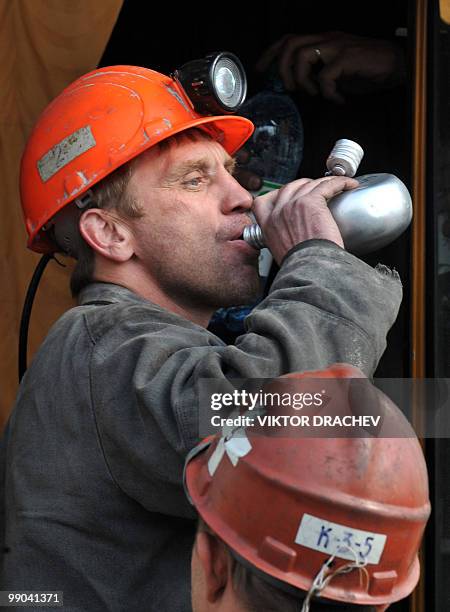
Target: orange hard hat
[[99, 122], [286, 505]]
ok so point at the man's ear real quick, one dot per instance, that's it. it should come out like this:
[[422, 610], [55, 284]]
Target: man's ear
[[215, 562], [107, 234]]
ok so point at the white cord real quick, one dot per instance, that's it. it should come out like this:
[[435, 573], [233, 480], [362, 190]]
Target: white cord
[[324, 575]]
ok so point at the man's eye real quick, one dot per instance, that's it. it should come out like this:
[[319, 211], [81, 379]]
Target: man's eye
[[194, 181]]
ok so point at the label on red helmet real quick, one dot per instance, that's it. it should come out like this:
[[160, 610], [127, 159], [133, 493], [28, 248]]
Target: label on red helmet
[[233, 447], [65, 151], [340, 541]]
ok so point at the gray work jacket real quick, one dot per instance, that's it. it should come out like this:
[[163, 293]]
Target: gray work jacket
[[94, 448]]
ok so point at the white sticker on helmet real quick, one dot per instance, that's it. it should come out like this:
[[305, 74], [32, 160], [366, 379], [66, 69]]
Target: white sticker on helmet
[[216, 457], [235, 445], [65, 151], [238, 447], [339, 540]]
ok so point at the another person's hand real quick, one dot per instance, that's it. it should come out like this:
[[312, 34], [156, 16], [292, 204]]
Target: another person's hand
[[334, 62], [298, 212], [249, 180]]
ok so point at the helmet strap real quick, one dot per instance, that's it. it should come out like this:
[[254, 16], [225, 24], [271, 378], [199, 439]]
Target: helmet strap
[[86, 200]]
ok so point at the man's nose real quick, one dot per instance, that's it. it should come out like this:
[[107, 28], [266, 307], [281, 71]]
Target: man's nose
[[236, 199]]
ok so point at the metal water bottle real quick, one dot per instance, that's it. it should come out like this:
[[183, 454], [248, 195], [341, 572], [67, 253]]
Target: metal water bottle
[[370, 216]]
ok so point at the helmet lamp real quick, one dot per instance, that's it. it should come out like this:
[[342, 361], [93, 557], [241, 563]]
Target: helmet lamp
[[215, 84]]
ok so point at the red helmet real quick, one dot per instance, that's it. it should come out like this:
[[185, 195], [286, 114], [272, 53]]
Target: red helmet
[[98, 123], [285, 505]]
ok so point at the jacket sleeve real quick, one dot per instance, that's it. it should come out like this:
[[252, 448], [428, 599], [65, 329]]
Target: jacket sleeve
[[325, 306]]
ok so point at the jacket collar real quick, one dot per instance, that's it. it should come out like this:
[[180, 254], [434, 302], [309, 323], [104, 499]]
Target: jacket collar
[[108, 293]]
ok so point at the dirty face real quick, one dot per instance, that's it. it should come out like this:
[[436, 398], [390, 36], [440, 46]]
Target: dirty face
[[194, 214]]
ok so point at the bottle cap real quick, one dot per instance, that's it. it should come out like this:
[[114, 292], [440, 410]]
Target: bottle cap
[[345, 158]]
